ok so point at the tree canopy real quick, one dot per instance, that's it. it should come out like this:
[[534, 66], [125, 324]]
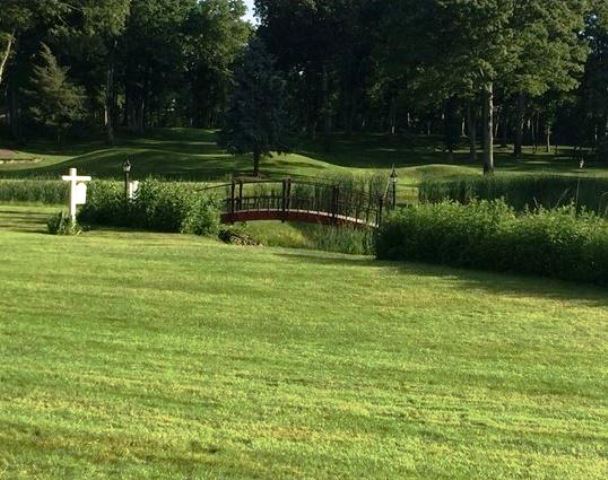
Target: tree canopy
[[522, 71]]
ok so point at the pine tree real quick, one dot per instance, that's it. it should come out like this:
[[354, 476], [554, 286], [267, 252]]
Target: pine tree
[[255, 121], [58, 102]]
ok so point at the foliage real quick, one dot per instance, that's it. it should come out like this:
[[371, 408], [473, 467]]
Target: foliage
[[105, 205], [490, 235], [159, 206], [62, 224], [57, 101], [522, 191], [396, 67], [351, 241], [39, 190], [309, 236], [255, 121], [202, 217], [215, 35]]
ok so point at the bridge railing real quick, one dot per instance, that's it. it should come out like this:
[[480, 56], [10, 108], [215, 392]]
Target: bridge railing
[[324, 199]]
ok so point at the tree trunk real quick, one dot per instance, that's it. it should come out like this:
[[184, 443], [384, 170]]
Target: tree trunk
[[548, 134], [519, 125], [256, 163], [450, 127], [110, 98], [488, 129], [472, 124], [505, 129], [13, 110], [326, 108], [6, 54], [393, 115], [535, 132], [498, 122]]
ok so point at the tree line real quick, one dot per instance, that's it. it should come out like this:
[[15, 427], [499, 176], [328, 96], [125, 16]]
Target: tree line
[[510, 71], [95, 64], [513, 71]]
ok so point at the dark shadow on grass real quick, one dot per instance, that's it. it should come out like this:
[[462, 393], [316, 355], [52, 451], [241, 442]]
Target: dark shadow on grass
[[497, 283]]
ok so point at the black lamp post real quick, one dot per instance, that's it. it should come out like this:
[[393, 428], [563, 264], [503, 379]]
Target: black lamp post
[[394, 179], [126, 168]]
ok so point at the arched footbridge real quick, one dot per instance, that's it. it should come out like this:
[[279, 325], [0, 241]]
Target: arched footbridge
[[290, 200]]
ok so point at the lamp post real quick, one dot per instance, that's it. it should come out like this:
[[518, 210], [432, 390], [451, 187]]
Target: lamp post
[[394, 179], [126, 168]]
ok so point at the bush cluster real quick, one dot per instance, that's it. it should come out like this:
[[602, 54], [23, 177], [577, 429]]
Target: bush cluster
[[41, 191], [159, 206], [62, 224], [522, 191], [491, 235]]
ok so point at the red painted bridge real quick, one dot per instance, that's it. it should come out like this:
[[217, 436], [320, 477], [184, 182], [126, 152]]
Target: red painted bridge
[[301, 201]]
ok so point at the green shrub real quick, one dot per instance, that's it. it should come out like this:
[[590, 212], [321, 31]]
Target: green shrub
[[202, 218], [41, 191], [159, 206], [491, 235], [62, 224], [522, 191], [105, 205]]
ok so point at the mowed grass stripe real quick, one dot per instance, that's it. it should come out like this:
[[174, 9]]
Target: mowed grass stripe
[[134, 355]]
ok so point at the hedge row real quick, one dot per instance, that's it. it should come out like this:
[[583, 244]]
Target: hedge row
[[522, 191], [491, 235], [160, 206]]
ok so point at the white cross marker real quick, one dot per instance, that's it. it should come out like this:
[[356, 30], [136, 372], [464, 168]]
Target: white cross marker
[[78, 190]]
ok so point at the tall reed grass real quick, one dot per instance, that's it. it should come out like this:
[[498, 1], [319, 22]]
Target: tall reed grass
[[522, 191], [35, 191]]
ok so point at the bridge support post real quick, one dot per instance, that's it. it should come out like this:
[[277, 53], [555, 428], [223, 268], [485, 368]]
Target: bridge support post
[[232, 198], [335, 203], [240, 202], [380, 211], [284, 202]]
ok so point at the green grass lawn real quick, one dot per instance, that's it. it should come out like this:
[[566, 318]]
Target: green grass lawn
[[193, 154], [138, 355]]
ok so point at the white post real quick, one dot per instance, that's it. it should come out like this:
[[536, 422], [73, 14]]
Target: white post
[[73, 174], [78, 191]]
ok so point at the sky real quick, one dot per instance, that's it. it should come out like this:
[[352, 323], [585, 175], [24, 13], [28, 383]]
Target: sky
[[249, 4]]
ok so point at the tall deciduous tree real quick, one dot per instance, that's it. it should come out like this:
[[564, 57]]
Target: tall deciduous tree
[[549, 51], [461, 51], [255, 121], [15, 15], [215, 33], [106, 21], [91, 30]]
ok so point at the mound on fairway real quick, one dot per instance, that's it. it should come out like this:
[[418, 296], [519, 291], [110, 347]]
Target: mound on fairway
[[192, 154], [129, 355]]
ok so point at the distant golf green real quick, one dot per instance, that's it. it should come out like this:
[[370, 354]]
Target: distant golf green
[[137, 355]]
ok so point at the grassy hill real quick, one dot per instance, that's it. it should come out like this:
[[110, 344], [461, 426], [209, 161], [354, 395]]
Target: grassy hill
[[133, 355], [193, 155]]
